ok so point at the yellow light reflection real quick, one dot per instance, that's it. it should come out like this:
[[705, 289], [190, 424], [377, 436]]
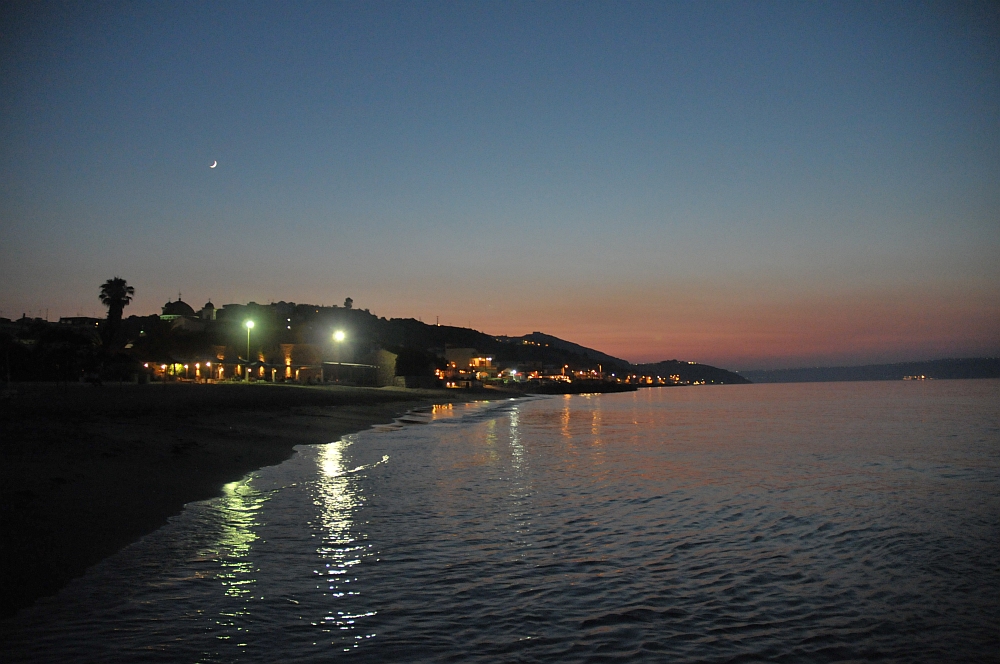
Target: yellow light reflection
[[516, 448], [240, 504], [595, 424], [341, 548], [491, 442], [337, 500]]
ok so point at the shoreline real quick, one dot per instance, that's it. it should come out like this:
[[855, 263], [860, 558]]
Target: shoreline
[[88, 470]]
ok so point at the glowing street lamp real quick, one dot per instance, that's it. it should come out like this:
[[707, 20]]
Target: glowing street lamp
[[338, 338], [249, 325]]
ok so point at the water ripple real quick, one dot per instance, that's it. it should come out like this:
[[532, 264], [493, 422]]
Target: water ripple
[[819, 523]]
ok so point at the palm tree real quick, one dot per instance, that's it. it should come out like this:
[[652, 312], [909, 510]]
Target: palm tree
[[115, 295]]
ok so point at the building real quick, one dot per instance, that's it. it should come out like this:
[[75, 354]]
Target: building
[[173, 310], [467, 368]]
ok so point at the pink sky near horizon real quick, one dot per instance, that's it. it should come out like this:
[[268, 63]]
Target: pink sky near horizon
[[738, 327], [844, 329]]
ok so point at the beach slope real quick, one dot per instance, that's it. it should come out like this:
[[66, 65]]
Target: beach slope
[[86, 470]]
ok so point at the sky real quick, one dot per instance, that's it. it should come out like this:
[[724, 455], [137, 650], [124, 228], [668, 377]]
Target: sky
[[750, 185]]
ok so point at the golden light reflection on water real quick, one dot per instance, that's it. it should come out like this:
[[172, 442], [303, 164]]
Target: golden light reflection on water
[[240, 504], [335, 497], [565, 418], [521, 488], [341, 547], [491, 442], [238, 509], [595, 423], [597, 448], [516, 448], [441, 410]]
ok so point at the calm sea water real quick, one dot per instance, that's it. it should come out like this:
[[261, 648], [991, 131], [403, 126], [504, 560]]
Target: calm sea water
[[799, 523]]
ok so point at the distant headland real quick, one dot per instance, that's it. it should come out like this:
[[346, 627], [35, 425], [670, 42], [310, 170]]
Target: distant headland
[[976, 367]]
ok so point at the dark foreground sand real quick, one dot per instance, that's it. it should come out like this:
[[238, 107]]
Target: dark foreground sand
[[86, 470]]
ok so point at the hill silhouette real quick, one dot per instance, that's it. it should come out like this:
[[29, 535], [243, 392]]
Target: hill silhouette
[[418, 345], [546, 350], [977, 367]]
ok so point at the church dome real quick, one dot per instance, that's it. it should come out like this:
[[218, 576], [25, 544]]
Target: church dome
[[178, 308], [209, 305]]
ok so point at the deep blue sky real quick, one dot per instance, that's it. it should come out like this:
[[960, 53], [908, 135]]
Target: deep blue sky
[[747, 184]]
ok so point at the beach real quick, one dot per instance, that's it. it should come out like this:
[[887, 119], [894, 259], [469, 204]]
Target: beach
[[87, 470]]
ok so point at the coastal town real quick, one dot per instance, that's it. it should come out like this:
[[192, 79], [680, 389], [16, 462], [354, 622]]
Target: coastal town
[[286, 342]]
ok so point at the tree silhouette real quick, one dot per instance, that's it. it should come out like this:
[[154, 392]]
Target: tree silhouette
[[115, 295], [348, 303]]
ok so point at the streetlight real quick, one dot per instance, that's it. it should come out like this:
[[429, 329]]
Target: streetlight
[[338, 338], [249, 325]]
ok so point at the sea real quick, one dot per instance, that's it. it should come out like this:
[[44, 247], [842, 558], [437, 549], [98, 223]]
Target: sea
[[821, 522]]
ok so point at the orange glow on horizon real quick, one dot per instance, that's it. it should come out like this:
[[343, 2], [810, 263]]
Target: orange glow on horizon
[[760, 330]]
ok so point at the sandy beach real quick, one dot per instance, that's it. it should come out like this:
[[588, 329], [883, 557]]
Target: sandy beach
[[87, 470]]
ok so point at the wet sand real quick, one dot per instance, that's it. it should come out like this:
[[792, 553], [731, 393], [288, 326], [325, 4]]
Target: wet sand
[[86, 470]]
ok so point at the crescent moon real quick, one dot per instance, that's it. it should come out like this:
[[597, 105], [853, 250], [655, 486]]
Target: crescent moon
[[214, 164]]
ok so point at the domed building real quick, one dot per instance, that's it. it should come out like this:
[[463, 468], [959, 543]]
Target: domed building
[[208, 311], [175, 310]]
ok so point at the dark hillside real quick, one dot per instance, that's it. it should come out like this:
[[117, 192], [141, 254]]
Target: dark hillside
[[690, 372], [610, 362]]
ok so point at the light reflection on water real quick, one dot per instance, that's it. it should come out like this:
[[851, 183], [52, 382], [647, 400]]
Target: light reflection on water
[[239, 505], [792, 523], [340, 548], [237, 509]]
